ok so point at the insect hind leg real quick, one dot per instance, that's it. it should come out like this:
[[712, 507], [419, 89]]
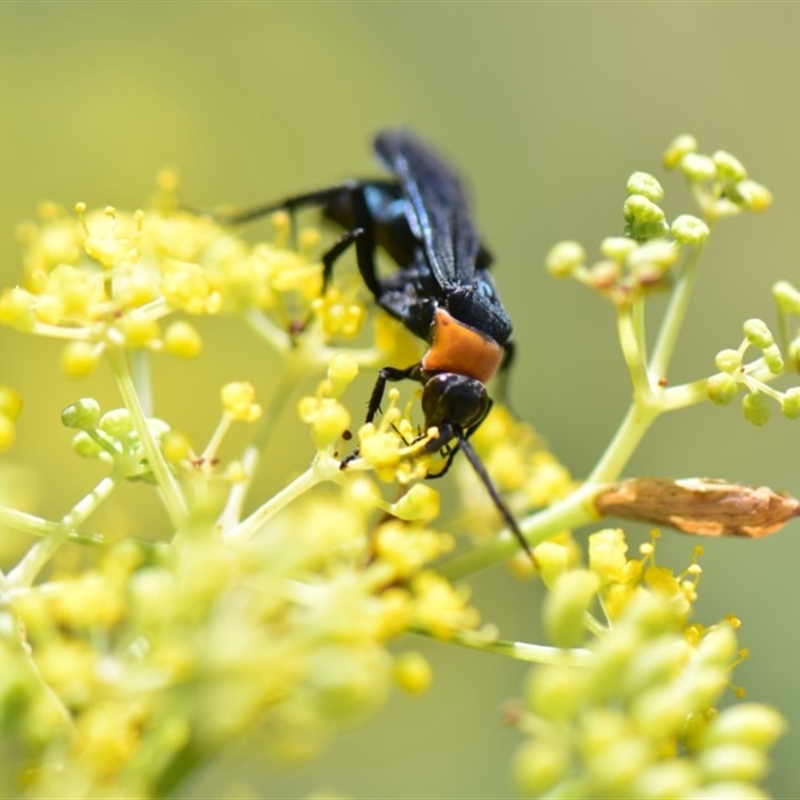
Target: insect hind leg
[[318, 197]]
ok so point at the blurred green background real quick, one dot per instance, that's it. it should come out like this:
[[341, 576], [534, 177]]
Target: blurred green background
[[546, 108]]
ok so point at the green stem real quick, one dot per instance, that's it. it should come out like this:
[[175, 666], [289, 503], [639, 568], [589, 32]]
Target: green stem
[[521, 651], [630, 330], [674, 316], [140, 374], [572, 512], [170, 491], [35, 559], [13, 632], [232, 513], [685, 395], [37, 526], [324, 468], [634, 426]]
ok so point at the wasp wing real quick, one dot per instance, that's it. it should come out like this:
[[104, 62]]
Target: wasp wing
[[438, 211]]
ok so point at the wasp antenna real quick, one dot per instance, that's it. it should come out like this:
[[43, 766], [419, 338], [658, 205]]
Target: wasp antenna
[[477, 465]]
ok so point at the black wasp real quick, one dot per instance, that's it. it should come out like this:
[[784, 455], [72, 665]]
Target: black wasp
[[442, 292]]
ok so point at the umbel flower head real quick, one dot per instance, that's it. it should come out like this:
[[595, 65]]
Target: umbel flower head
[[637, 716], [109, 277], [132, 666], [126, 670]]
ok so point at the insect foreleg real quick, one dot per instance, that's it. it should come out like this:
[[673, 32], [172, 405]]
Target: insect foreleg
[[386, 374]]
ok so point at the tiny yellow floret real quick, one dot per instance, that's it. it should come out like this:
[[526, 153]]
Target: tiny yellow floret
[[182, 339], [238, 400], [80, 358], [413, 672], [342, 372], [420, 502]]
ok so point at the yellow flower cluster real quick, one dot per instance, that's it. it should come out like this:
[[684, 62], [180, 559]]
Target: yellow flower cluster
[[638, 717], [155, 656], [107, 277]]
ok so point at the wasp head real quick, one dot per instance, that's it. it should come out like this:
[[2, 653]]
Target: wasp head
[[452, 399]]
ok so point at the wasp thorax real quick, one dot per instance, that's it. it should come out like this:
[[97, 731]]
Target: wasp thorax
[[450, 398]]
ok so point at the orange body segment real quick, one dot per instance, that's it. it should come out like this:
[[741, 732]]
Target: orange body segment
[[460, 349]]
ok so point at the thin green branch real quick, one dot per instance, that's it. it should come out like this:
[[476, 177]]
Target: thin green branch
[[520, 651], [630, 332], [38, 526], [170, 491], [324, 468], [674, 316], [26, 571], [572, 512]]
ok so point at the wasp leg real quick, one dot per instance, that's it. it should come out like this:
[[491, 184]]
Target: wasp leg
[[330, 256], [319, 197], [329, 259], [386, 374], [499, 504], [451, 454]]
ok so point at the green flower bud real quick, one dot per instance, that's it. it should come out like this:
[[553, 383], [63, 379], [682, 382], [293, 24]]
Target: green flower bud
[[82, 415], [564, 258], [729, 167], [663, 710], [87, 447], [117, 423], [640, 209], [652, 614], [678, 777], [654, 664], [718, 646], [733, 762], [728, 361], [756, 409], [751, 195], [540, 765], [612, 654], [722, 389], [698, 168], [616, 766], [790, 405], [689, 230], [774, 359], [648, 263], [566, 605], [787, 296], [750, 724], [757, 333], [677, 149], [617, 248], [555, 693], [645, 184]]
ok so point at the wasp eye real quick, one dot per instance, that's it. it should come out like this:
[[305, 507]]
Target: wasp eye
[[454, 399]]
